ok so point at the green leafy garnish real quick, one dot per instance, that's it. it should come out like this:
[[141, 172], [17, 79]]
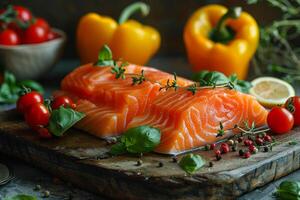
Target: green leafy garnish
[[10, 88], [63, 119], [21, 197], [213, 78], [170, 84], [137, 140], [191, 163], [208, 78], [139, 79], [288, 190], [105, 57]]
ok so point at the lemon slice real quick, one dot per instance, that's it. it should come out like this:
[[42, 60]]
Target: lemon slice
[[270, 91]]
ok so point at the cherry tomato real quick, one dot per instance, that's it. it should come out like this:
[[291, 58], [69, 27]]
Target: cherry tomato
[[23, 13], [42, 23], [37, 115], [62, 101], [27, 100], [280, 120], [293, 105], [44, 132], [34, 34], [9, 37]]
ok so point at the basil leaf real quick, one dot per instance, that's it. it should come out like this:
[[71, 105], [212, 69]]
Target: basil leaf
[[63, 119], [9, 78], [288, 190], [191, 163], [10, 88], [207, 78], [21, 197], [7, 95], [118, 149], [240, 85], [105, 57], [141, 139], [135, 140], [32, 85]]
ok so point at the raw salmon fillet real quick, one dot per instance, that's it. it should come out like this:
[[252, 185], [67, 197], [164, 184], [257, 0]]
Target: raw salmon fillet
[[189, 121], [110, 103]]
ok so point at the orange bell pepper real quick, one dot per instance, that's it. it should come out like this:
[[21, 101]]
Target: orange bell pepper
[[222, 40], [128, 39]]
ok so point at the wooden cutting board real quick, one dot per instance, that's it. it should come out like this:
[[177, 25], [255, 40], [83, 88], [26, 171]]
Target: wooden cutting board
[[83, 160]]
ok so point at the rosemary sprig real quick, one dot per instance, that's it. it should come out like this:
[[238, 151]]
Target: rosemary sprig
[[170, 84], [278, 53]]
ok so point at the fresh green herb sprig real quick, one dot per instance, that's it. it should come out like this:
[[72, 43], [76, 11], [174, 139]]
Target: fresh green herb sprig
[[278, 53], [137, 140], [171, 84], [217, 79], [191, 163], [10, 89], [63, 119], [139, 79]]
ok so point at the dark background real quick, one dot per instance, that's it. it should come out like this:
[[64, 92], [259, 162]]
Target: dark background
[[168, 16]]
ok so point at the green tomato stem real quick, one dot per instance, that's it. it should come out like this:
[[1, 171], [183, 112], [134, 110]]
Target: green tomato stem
[[141, 7]]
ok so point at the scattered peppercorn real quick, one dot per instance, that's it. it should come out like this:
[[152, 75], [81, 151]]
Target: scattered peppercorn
[[212, 146], [268, 138], [206, 147], [46, 193], [139, 163], [236, 141], [38, 187], [174, 159], [241, 152], [230, 142], [218, 152], [211, 164], [234, 148], [266, 149], [259, 141], [247, 154], [224, 148], [160, 164], [253, 149], [240, 139], [248, 142], [218, 157]]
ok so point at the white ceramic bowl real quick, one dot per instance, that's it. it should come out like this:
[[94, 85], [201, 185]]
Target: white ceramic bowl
[[32, 61]]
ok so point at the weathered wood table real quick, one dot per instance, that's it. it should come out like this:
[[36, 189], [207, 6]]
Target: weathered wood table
[[82, 159]]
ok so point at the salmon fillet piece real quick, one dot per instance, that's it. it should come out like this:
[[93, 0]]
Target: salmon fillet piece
[[189, 121], [110, 103]]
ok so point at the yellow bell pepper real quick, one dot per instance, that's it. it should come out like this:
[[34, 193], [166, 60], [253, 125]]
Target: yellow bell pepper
[[221, 39], [128, 39]]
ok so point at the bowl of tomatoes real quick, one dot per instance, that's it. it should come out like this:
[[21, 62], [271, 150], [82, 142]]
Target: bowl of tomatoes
[[29, 46]]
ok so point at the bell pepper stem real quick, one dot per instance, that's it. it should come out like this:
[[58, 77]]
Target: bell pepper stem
[[133, 8], [221, 33]]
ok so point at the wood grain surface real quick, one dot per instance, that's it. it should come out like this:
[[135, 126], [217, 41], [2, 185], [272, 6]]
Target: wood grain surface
[[83, 160]]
